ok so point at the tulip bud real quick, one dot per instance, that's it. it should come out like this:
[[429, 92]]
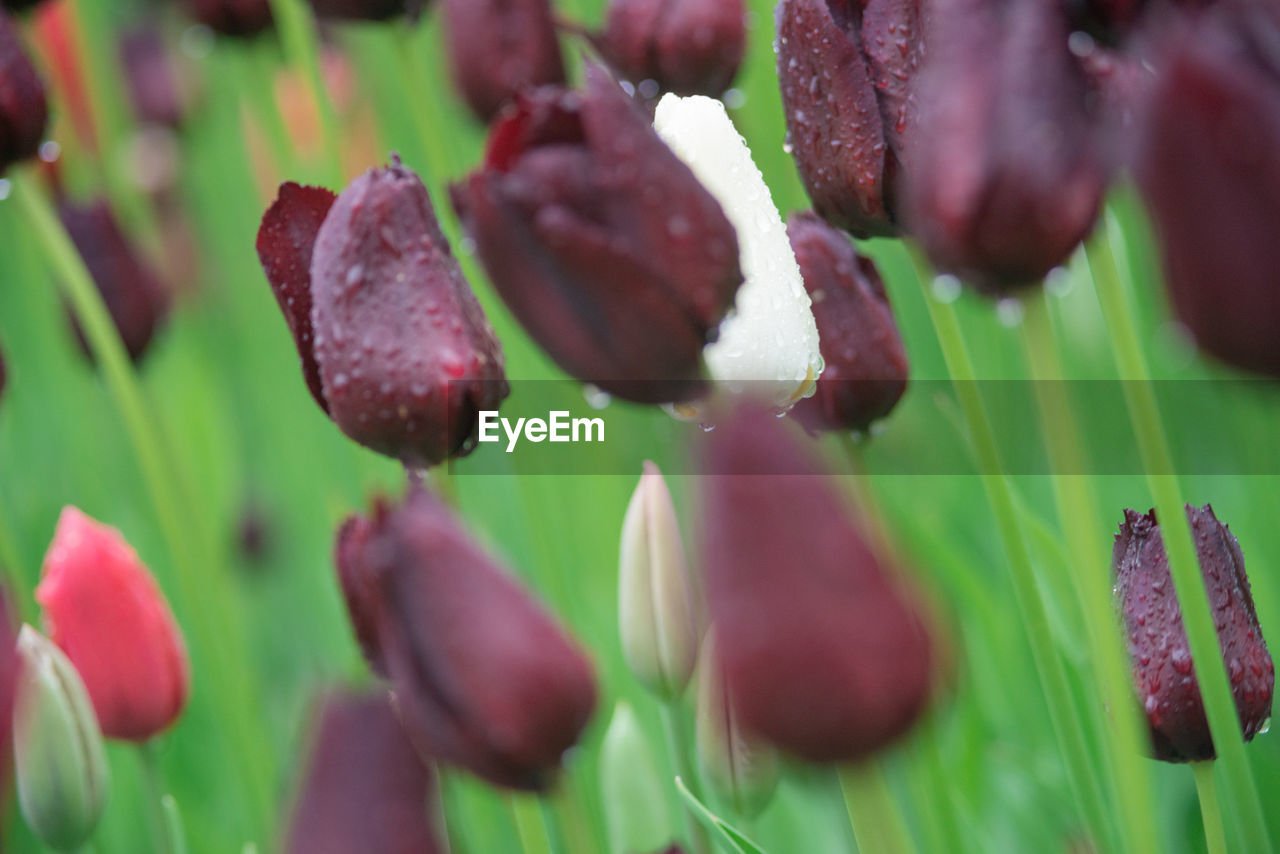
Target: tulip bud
[[483, 677], [152, 82], [865, 371], [740, 768], [770, 340], [132, 291], [103, 608], [824, 651], [656, 609], [365, 788], [848, 75], [1006, 177], [1164, 676], [689, 47], [232, 17], [631, 789], [367, 10], [1208, 165], [24, 111], [60, 763], [499, 48], [601, 242], [394, 345]]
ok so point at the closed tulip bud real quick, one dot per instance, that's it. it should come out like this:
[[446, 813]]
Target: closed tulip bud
[[394, 344], [631, 789], [499, 48], [232, 17], [740, 768], [689, 47], [848, 74], [601, 242], [1163, 673], [367, 10], [364, 787], [24, 112], [824, 650], [134, 296], [59, 759], [866, 366], [105, 611], [1208, 165], [483, 677], [1006, 174]]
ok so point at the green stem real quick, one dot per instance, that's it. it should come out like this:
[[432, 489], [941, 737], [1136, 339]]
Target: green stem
[[674, 729], [302, 47], [1214, 836], [568, 815], [154, 788], [1053, 679], [1076, 500], [256, 71], [173, 825], [534, 835], [877, 822], [1184, 565]]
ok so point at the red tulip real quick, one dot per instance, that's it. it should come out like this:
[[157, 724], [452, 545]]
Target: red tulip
[[24, 111], [689, 47], [105, 611]]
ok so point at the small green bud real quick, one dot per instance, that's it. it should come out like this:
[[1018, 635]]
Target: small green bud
[[656, 607], [635, 804], [60, 762], [740, 769]]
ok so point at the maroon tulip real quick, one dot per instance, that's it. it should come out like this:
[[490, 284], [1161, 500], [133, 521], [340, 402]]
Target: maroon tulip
[[1162, 668], [232, 17], [365, 788], [23, 109], [1208, 164], [134, 295], [602, 242], [367, 10], [499, 48], [483, 677], [690, 47], [153, 86], [1006, 177], [866, 366], [394, 345], [848, 72], [824, 651]]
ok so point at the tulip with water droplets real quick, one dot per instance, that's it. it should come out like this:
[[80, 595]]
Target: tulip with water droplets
[[24, 112], [689, 47]]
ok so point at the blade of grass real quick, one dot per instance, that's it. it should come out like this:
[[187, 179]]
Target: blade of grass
[[877, 822], [1207, 791]]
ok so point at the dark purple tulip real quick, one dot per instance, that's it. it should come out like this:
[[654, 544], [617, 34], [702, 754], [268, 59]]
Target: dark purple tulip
[[690, 47], [602, 242], [483, 677], [825, 652], [848, 72], [1006, 177], [364, 788], [499, 48], [134, 295], [394, 344], [367, 10], [1208, 165], [232, 17], [1162, 668], [866, 365], [24, 111], [153, 86]]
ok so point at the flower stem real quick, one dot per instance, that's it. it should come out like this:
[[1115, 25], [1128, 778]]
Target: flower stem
[[1207, 790], [877, 822], [1184, 565], [673, 728], [154, 789], [530, 825], [302, 47], [173, 825]]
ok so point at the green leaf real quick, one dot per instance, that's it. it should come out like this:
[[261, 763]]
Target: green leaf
[[731, 838]]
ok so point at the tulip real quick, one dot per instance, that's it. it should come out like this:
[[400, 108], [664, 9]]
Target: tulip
[[1208, 165], [103, 608], [824, 651], [866, 367], [132, 291], [367, 10], [483, 677], [689, 47], [59, 759], [601, 242], [24, 111], [499, 48], [20, 5], [394, 345], [848, 74], [631, 789], [364, 788], [1163, 673], [232, 17], [154, 90], [1006, 174], [656, 607]]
